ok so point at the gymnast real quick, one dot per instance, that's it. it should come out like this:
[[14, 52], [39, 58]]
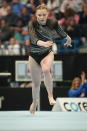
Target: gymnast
[[43, 32]]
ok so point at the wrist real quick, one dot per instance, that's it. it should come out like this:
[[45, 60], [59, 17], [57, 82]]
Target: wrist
[[68, 38], [40, 43]]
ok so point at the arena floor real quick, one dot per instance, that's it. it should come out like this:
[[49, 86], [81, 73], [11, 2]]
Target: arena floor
[[43, 121]]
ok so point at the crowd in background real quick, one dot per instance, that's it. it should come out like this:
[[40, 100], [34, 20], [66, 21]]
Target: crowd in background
[[16, 14], [79, 86]]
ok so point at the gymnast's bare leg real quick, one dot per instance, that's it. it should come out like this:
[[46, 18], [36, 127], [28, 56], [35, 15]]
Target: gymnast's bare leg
[[36, 81], [46, 64]]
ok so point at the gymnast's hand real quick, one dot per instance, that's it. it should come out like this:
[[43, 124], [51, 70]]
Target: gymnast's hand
[[68, 42], [45, 44], [83, 77]]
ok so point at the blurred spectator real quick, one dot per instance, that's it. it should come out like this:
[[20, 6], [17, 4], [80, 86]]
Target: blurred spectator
[[25, 33], [5, 32], [18, 31], [3, 9], [79, 87], [25, 15], [68, 13], [23, 1], [13, 47], [11, 17], [14, 84], [83, 22], [17, 6], [32, 4], [74, 31], [76, 5], [42, 2], [26, 85], [2, 49], [83, 14], [9, 1], [26, 45], [53, 7], [50, 15]]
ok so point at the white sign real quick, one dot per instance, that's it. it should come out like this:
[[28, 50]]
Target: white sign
[[70, 104], [22, 71]]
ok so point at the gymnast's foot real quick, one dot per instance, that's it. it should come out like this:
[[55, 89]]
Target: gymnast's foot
[[52, 101], [32, 108]]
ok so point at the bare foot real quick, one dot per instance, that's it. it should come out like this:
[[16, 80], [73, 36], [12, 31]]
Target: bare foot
[[32, 108], [52, 101]]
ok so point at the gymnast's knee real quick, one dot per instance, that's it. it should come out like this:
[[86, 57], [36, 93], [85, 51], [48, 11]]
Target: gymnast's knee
[[46, 70]]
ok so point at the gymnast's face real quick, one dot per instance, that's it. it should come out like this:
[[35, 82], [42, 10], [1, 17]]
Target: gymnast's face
[[41, 15]]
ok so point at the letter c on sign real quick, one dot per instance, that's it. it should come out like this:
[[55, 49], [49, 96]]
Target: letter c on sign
[[66, 106]]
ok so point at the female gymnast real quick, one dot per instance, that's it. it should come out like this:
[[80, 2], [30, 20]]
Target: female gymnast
[[43, 32]]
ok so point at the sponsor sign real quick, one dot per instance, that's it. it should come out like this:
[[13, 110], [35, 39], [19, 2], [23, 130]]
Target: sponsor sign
[[70, 104]]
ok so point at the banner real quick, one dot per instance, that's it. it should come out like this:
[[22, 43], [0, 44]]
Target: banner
[[70, 104], [22, 71]]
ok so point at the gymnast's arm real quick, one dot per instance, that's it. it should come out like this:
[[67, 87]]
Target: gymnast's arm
[[62, 34]]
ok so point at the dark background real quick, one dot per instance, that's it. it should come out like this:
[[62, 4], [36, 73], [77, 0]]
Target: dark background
[[21, 98]]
